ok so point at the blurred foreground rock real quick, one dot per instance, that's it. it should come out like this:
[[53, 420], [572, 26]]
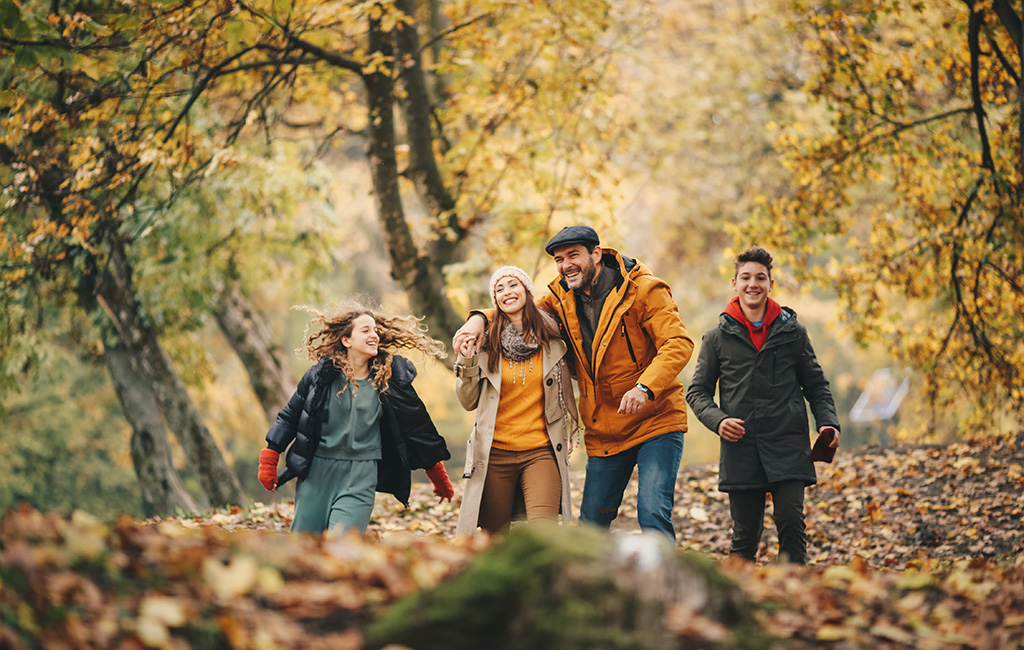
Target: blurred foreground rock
[[545, 586]]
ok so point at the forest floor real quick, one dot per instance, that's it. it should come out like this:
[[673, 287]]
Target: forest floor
[[914, 547]]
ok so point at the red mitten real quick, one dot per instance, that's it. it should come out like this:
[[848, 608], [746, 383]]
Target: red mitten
[[442, 484], [268, 469]]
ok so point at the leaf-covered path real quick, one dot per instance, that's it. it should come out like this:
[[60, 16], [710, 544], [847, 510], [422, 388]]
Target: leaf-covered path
[[889, 507], [912, 548]]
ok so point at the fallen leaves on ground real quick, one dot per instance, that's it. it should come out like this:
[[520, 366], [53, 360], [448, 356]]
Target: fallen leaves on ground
[[911, 548], [891, 507]]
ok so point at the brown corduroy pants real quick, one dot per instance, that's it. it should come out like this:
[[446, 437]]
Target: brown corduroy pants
[[535, 471]]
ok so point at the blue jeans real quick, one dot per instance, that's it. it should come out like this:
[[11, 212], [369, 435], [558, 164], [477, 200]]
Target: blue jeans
[[657, 463]]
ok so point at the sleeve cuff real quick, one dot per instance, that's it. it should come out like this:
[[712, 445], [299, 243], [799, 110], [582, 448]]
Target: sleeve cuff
[[467, 367]]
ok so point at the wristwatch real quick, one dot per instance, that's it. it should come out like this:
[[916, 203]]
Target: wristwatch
[[650, 395]]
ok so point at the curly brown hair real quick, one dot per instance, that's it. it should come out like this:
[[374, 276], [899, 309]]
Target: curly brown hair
[[396, 332]]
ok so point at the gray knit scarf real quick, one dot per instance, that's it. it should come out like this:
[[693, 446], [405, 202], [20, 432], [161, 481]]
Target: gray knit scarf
[[513, 347]]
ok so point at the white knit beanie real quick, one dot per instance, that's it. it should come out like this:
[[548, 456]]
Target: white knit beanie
[[514, 272]]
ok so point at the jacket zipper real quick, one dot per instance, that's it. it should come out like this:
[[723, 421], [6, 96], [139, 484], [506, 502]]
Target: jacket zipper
[[629, 344], [579, 353], [775, 352], [576, 349], [617, 305]]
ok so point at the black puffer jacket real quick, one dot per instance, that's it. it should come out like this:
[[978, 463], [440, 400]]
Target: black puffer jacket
[[766, 388], [409, 439]]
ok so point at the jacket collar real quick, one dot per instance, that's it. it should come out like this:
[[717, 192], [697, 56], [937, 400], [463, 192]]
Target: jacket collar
[[402, 370], [784, 322], [771, 312], [325, 370]]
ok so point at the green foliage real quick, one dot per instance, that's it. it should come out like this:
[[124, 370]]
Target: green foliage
[[260, 218], [92, 161], [65, 444]]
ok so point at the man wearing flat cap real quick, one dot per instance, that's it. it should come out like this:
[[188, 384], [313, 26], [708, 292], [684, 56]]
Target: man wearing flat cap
[[629, 345]]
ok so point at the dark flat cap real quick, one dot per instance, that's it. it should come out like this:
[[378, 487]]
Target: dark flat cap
[[573, 235]]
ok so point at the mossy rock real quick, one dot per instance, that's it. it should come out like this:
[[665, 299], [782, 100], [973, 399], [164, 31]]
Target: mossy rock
[[570, 587]]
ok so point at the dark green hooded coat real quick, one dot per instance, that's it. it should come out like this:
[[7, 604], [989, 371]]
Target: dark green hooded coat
[[766, 388]]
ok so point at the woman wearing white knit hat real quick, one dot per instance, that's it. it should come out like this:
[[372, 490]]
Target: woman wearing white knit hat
[[526, 418]]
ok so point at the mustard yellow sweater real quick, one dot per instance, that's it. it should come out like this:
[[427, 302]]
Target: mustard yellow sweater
[[519, 424]]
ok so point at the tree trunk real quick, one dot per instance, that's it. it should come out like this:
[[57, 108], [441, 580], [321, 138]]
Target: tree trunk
[[426, 177], [116, 294], [438, 22], [420, 276], [162, 490], [1015, 28], [251, 337]]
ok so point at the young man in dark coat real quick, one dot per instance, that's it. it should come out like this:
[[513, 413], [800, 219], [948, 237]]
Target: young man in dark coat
[[762, 361]]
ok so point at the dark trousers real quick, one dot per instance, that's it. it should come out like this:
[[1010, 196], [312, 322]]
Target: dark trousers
[[747, 508]]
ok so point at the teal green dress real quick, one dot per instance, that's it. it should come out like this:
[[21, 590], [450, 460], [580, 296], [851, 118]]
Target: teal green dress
[[338, 492]]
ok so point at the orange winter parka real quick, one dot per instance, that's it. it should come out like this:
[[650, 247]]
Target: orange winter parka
[[640, 338]]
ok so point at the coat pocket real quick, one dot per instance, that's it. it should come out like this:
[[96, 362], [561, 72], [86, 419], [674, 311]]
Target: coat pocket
[[552, 410], [619, 387]]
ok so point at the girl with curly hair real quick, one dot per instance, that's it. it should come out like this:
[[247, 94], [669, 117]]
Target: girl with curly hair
[[517, 458], [355, 424]]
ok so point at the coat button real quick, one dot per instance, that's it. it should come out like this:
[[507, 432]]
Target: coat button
[[550, 381], [558, 447], [595, 419]]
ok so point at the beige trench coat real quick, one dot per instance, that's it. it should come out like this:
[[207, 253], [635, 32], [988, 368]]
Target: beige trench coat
[[478, 389]]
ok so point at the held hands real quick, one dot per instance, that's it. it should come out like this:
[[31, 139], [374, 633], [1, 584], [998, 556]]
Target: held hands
[[268, 469], [469, 337], [633, 401], [468, 348], [731, 429], [442, 484]]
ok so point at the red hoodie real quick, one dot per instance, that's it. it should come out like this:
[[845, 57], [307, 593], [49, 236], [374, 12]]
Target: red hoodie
[[757, 334]]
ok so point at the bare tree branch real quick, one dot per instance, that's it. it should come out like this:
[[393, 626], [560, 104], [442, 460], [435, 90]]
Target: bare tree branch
[[333, 58], [973, 32]]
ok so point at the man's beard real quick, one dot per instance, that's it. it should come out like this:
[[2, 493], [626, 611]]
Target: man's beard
[[586, 276]]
